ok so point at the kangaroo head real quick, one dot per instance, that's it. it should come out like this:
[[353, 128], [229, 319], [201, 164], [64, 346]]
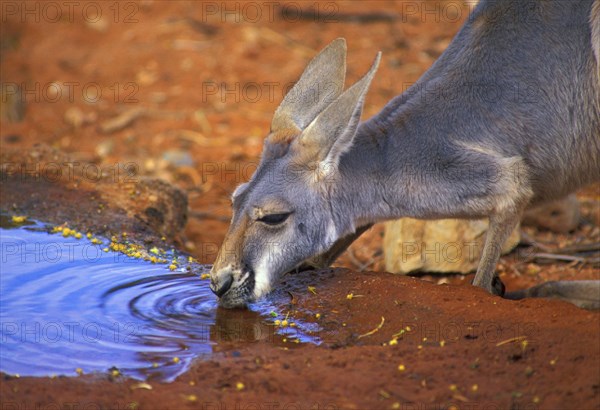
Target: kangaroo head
[[283, 216]]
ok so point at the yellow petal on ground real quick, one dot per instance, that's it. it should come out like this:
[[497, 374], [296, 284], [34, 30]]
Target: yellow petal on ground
[[374, 330]]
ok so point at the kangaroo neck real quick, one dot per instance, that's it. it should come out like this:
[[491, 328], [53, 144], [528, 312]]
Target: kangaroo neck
[[368, 187]]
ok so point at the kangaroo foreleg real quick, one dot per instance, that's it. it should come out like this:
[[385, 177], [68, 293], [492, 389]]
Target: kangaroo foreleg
[[500, 228]]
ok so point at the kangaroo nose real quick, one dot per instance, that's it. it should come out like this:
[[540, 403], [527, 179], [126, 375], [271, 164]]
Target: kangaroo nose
[[219, 287]]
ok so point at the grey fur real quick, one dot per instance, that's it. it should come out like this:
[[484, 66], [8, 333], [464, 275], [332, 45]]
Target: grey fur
[[314, 91], [508, 116]]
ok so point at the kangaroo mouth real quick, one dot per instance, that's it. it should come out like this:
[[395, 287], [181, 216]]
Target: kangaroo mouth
[[239, 294]]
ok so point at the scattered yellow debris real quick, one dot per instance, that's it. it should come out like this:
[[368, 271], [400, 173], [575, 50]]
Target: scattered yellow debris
[[374, 330], [318, 316], [190, 397], [176, 360], [141, 385], [474, 388], [398, 334], [239, 386], [79, 371], [172, 266], [512, 339], [19, 219], [312, 290], [401, 367], [205, 276], [453, 387]]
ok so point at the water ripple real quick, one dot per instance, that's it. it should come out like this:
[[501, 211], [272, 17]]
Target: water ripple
[[68, 305]]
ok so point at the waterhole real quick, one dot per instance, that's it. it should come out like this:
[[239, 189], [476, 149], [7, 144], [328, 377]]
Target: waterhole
[[68, 306]]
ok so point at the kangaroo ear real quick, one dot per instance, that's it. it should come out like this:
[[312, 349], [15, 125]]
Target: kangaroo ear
[[332, 132], [321, 83]]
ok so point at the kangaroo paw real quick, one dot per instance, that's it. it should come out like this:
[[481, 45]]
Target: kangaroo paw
[[498, 287]]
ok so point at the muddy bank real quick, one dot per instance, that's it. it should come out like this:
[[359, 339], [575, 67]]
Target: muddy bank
[[52, 186], [438, 347]]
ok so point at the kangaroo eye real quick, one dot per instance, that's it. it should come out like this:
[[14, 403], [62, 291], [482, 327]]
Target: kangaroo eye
[[275, 219]]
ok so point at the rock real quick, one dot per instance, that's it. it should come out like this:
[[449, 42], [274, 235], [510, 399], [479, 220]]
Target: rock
[[561, 215], [49, 185], [446, 245], [75, 117], [105, 148], [178, 158]]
